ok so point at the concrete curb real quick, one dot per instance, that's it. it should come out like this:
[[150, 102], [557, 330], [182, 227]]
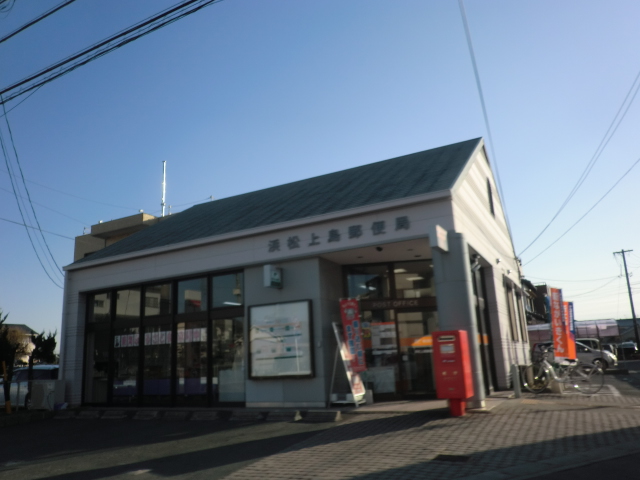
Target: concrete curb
[[19, 418]]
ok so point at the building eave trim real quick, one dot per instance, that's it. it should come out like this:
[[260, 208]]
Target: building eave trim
[[425, 198]]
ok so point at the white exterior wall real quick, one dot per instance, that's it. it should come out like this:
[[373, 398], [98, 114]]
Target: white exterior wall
[[488, 236], [245, 250], [463, 210]]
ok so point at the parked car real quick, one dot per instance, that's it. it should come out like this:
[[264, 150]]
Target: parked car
[[628, 350], [590, 342], [584, 353], [20, 383], [610, 347]]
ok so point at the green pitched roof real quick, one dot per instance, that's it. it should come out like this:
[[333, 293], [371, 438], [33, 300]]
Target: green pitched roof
[[415, 174]]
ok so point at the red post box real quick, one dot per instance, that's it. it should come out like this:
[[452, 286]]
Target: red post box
[[452, 367]]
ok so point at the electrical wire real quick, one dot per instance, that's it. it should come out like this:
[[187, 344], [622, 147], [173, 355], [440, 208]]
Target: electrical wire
[[48, 208], [603, 144], [570, 281], [587, 213], [591, 291], [76, 196], [486, 117], [6, 159], [93, 52], [22, 101], [29, 226], [36, 20], [15, 152]]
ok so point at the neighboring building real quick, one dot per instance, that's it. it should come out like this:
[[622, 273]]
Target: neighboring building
[[535, 309], [104, 234], [181, 313]]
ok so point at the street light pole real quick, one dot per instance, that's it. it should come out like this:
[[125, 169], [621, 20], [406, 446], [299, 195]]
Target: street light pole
[[633, 312]]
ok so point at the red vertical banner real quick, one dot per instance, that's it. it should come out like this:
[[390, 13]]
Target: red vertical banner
[[571, 339], [352, 329], [560, 338]]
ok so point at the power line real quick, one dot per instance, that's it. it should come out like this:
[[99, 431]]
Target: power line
[[587, 213], [486, 116], [76, 196], [34, 228], [570, 281], [103, 47], [15, 152], [591, 291], [36, 20], [48, 208], [6, 159], [22, 101], [596, 155]]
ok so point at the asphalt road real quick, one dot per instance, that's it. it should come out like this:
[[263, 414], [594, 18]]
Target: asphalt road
[[95, 449], [625, 384]]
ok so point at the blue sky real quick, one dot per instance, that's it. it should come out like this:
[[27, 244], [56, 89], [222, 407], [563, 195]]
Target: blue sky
[[247, 94]]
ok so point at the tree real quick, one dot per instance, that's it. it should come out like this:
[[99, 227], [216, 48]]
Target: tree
[[43, 352], [11, 344]]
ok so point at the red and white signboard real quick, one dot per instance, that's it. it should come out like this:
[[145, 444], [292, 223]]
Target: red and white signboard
[[563, 347], [352, 329]]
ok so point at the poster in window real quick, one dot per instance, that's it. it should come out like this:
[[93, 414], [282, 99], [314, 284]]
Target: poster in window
[[280, 339]]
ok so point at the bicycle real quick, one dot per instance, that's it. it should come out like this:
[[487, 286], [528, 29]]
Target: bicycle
[[583, 377]]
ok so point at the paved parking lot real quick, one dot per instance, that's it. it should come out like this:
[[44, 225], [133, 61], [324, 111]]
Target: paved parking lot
[[531, 437]]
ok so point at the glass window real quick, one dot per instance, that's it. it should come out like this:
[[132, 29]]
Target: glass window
[[371, 281], [157, 300], [97, 367], [192, 363], [128, 304], [228, 359], [192, 295], [227, 290], [414, 279], [99, 308], [126, 342], [157, 365]]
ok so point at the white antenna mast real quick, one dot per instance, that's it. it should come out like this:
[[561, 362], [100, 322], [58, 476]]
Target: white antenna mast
[[164, 184]]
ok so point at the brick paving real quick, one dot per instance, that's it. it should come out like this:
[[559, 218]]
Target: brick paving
[[519, 438]]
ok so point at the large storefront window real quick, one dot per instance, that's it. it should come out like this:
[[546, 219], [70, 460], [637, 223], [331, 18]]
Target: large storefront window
[[227, 290], [157, 300], [157, 365], [192, 295], [398, 316], [228, 359], [152, 344], [191, 372], [369, 281], [126, 342]]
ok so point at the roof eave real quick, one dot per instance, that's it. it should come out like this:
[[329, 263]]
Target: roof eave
[[428, 197]]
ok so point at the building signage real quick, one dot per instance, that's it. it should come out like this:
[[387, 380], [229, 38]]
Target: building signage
[[280, 340], [404, 303], [562, 347], [272, 276], [352, 329], [355, 382], [438, 238], [337, 235]]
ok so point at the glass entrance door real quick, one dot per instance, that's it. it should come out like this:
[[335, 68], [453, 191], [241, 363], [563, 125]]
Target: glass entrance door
[[416, 357]]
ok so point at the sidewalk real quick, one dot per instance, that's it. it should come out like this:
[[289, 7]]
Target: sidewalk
[[516, 439]]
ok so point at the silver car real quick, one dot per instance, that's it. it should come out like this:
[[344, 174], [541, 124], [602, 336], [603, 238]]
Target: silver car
[[604, 359], [20, 383]]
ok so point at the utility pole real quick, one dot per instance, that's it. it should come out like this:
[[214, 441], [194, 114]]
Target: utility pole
[[633, 312]]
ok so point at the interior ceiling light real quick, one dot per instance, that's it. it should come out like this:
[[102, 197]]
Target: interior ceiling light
[[413, 279], [399, 270]]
